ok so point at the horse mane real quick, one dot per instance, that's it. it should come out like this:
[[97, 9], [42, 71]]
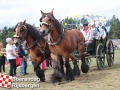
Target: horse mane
[[33, 32], [56, 23], [58, 26]]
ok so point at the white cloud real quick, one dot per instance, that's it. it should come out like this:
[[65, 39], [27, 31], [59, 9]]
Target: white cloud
[[12, 11]]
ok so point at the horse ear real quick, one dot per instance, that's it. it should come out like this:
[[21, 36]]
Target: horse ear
[[24, 22], [52, 11], [42, 12]]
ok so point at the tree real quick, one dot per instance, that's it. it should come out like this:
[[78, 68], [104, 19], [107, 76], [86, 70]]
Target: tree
[[71, 23], [5, 33], [84, 21], [115, 28]]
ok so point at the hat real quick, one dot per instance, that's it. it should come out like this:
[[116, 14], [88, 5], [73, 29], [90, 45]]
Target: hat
[[80, 24], [8, 40], [85, 24]]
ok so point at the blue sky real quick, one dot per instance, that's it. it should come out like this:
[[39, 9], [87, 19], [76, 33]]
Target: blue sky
[[12, 11]]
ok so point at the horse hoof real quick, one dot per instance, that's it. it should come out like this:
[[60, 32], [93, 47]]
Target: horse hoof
[[56, 83], [42, 79]]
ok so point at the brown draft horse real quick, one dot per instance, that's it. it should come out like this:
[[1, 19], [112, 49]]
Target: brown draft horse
[[63, 43], [34, 44]]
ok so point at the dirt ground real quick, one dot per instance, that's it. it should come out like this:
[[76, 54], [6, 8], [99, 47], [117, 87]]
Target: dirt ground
[[106, 79]]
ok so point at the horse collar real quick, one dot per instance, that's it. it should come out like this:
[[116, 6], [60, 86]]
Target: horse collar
[[58, 40], [26, 48]]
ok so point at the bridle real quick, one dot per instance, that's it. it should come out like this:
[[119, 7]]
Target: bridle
[[48, 40]]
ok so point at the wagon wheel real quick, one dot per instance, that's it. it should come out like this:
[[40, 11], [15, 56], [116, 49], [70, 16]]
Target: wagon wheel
[[88, 60], [100, 56], [110, 53]]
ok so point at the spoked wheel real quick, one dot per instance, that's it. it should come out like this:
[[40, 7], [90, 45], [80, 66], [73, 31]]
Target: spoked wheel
[[100, 56], [110, 52], [88, 61]]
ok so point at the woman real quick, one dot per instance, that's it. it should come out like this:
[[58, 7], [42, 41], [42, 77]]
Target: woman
[[11, 56], [2, 58]]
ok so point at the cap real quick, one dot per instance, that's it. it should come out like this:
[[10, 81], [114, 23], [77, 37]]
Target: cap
[[80, 24], [85, 24], [8, 40]]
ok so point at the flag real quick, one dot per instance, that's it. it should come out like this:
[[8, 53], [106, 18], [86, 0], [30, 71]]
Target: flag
[[5, 81]]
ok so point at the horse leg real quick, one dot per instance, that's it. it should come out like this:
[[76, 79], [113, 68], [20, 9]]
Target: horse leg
[[76, 69], [69, 72], [84, 66], [56, 76], [40, 73], [61, 66]]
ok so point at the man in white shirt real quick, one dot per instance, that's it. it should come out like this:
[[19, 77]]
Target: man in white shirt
[[93, 32], [102, 31], [11, 55], [88, 37]]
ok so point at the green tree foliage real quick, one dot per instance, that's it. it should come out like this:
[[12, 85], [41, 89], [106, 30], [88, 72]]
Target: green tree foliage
[[5, 33], [70, 23], [115, 28], [73, 23], [84, 21]]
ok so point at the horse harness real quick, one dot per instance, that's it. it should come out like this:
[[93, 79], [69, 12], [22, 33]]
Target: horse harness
[[42, 50], [36, 42]]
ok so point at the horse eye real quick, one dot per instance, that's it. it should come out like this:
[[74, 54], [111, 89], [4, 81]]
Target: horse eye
[[50, 20], [40, 19]]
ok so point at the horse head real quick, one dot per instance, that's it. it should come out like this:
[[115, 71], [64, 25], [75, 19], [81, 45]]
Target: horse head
[[47, 23], [21, 30]]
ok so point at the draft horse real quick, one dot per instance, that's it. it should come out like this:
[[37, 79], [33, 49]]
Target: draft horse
[[63, 43], [35, 45]]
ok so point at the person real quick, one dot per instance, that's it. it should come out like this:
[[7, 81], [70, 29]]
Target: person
[[26, 55], [93, 32], [102, 31], [88, 36], [81, 27], [21, 54], [11, 56], [119, 45], [2, 58], [49, 62]]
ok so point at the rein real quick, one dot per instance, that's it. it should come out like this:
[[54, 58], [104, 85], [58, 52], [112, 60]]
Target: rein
[[40, 47], [44, 51]]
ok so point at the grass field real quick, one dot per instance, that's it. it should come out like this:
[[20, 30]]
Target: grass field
[[107, 79]]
